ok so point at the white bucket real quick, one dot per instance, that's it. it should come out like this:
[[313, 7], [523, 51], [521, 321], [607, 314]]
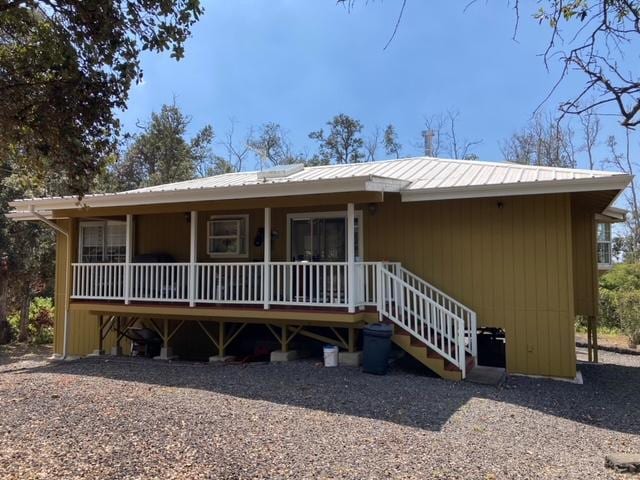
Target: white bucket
[[330, 356]]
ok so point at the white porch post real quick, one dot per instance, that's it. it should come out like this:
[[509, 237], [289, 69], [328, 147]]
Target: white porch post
[[127, 258], [351, 257], [266, 277], [193, 258]]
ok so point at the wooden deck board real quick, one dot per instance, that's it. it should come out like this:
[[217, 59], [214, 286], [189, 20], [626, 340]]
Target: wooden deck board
[[244, 313]]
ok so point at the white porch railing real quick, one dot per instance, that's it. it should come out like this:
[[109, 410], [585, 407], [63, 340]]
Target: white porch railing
[[159, 282], [319, 284], [98, 280], [229, 283]]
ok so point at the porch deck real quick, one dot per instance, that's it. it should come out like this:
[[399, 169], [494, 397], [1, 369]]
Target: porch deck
[[240, 313]]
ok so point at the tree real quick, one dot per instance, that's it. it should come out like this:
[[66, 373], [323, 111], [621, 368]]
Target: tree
[[343, 144], [590, 122], [66, 65], [441, 136], [392, 145], [237, 151], [622, 161], [543, 142], [371, 144], [162, 153], [602, 39], [26, 249], [272, 146]]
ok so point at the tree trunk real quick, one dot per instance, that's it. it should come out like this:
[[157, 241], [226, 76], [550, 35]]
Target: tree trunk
[[23, 336], [5, 331]]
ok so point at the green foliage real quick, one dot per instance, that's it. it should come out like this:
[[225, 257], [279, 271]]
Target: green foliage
[[620, 283], [163, 154], [608, 309], [629, 311], [272, 146], [66, 66], [41, 318], [624, 276], [343, 143], [391, 144]]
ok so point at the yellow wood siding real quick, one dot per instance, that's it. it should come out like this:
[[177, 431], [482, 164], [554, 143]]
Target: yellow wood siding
[[509, 259], [585, 274], [83, 327]]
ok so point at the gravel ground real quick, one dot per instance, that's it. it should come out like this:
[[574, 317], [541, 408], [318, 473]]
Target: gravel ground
[[133, 418]]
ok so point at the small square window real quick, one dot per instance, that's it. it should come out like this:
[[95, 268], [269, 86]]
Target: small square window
[[227, 236]]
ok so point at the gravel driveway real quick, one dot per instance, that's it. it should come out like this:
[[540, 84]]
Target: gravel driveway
[[133, 418]]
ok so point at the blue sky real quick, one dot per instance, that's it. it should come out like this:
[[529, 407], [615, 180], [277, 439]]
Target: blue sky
[[298, 63]]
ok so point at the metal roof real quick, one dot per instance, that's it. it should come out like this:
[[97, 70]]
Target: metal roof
[[421, 173], [417, 179]]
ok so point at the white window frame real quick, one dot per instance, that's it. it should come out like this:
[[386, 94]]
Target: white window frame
[[604, 266], [335, 214], [95, 223], [239, 218]]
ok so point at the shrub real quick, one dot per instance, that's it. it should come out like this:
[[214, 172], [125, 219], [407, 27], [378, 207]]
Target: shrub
[[608, 307], [41, 316], [629, 312], [624, 277]]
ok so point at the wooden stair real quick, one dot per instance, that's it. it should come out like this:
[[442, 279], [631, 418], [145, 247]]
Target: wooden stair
[[428, 357]]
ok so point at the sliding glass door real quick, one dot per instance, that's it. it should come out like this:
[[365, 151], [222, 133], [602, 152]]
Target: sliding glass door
[[320, 237]]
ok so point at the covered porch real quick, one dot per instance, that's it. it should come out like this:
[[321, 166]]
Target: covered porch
[[201, 258]]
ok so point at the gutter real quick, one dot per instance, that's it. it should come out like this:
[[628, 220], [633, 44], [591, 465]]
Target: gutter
[[57, 228]]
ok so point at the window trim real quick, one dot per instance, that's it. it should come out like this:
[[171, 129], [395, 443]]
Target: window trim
[[609, 243], [93, 223], [213, 218], [328, 214]]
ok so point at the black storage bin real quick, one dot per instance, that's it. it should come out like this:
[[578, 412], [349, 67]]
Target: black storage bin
[[376, 348], [491, 347]]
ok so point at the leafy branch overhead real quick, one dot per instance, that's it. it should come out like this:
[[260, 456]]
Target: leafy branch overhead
[[67, 65], [602, 40]]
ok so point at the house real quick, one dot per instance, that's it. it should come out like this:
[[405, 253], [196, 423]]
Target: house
[[438, 248]]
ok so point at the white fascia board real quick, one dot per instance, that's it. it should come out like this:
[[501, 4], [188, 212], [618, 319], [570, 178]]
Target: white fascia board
[[614, 182], [279, 189], [25, 216]]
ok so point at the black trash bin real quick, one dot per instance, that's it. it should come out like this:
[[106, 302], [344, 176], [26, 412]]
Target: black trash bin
[[376, 348]]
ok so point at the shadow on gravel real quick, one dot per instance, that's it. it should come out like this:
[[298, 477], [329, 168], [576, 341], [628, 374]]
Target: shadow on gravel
[[20, 352], [608, 399]]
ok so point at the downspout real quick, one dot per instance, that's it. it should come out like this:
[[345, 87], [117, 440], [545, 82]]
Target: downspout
[[57, 228]]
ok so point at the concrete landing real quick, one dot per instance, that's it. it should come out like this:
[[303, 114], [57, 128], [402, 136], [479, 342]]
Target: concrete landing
[[218, 359], [350, 359], [482, 375], [280, 356]]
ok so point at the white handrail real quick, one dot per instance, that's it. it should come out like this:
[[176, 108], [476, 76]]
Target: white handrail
[[447, 302], [438, 328]]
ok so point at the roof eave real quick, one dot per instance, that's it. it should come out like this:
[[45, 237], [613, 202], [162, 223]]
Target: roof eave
[[614, 182], [283, 189]]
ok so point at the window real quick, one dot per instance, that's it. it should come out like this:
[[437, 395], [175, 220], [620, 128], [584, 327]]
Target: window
[[102, 242], [604, 243], [321, 236], [227, 236]]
